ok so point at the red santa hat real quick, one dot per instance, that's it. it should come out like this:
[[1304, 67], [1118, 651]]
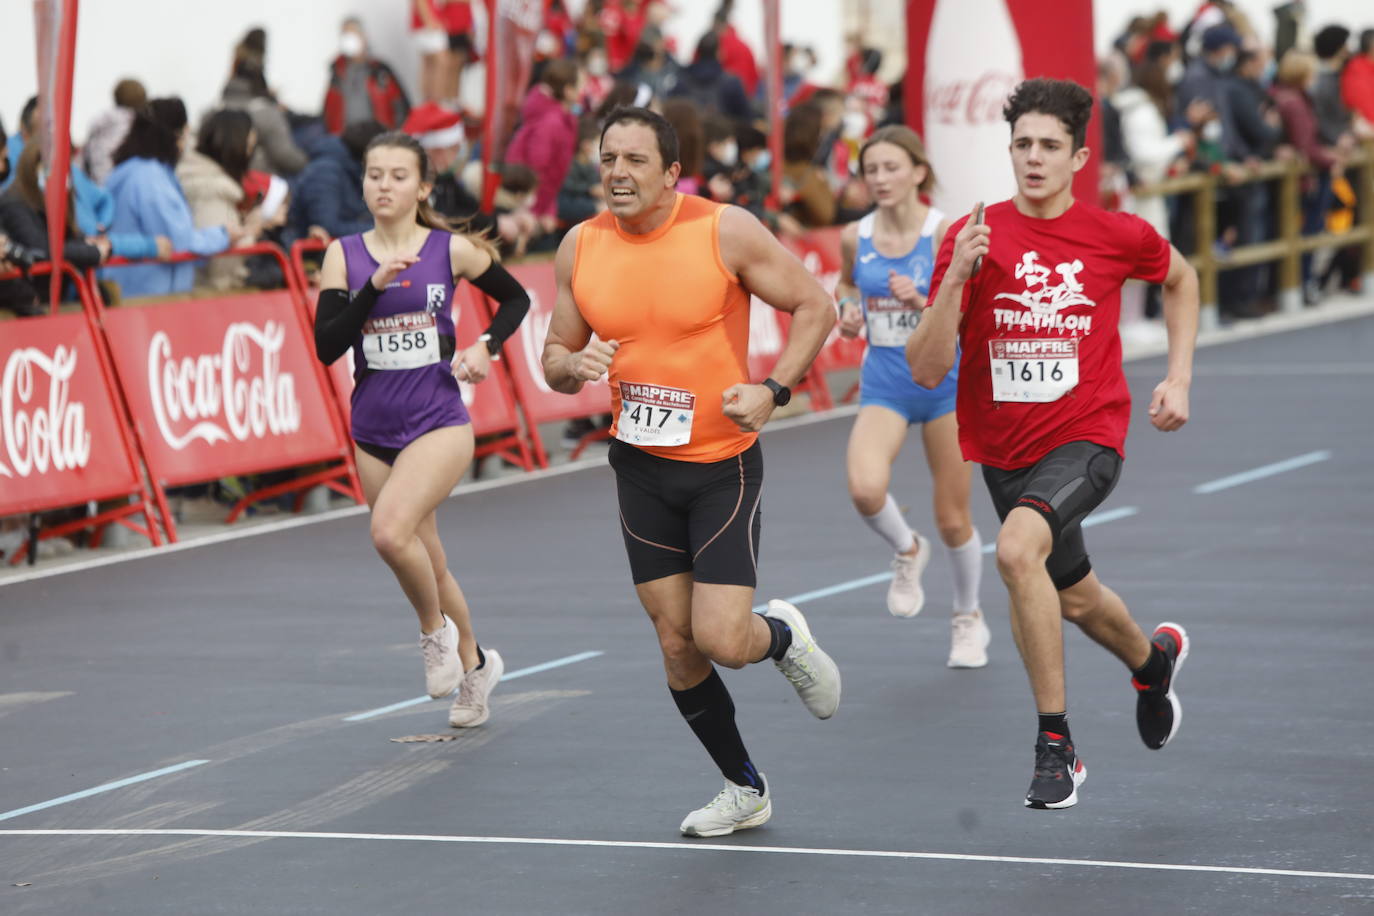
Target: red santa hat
[[434, 126]]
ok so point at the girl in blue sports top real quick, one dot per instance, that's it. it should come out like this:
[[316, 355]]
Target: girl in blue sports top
[[887, 259]]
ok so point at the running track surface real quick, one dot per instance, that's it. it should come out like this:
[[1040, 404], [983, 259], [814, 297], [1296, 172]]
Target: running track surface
[[235, 667]]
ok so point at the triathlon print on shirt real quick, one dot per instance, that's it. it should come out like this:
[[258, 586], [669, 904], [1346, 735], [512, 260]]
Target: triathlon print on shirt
[[1036, 369], [1040, 355]]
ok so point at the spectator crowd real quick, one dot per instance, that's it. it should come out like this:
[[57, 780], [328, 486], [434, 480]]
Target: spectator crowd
[[150, 180]]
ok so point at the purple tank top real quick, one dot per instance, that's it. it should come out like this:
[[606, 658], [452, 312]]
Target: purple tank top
[[394, 407]]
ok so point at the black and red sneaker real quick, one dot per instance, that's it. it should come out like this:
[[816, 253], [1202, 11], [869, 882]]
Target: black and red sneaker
[[1058, 773], [1157, 709]]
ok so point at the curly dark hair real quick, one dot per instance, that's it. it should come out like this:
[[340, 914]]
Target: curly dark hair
[[1064, 99]]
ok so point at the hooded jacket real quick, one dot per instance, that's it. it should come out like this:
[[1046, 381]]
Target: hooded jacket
[[545, 142]]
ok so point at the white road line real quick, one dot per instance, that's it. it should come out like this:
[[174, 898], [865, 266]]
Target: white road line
[[117, 784], [1097, 518], [688, 846], [1268, 470], [532, 669]]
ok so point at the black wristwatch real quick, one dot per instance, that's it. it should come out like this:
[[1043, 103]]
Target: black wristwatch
[[781, 393]]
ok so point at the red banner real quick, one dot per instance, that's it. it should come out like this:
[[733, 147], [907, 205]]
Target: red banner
[[55, 24], [511, 30], [525, 350], [61, 440], [222, 386]]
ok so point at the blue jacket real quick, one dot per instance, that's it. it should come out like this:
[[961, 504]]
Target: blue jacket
[[329, 192], [149, 202], [95, 209]]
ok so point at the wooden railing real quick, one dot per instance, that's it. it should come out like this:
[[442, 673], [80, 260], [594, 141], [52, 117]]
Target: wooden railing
[[1288, 248]]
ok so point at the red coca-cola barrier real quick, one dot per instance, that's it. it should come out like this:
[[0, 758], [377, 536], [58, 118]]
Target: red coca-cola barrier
[[64, 436], [229, 385], [525, 349], [492, 403]]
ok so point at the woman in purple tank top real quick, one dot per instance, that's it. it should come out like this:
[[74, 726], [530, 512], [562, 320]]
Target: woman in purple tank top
[[387, 294]]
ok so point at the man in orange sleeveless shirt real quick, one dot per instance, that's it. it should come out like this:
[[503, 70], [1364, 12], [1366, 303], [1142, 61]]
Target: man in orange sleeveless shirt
[[664, 280]]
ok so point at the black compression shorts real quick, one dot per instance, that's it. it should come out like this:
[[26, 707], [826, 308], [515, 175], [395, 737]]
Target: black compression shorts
[[1064, 487], [685, 516]]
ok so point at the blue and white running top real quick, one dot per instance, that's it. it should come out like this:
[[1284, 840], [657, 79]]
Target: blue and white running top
[[885, 379]]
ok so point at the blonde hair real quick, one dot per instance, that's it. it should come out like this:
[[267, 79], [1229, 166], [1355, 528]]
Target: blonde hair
[[425, 214], [1295, 69], [902, 136]]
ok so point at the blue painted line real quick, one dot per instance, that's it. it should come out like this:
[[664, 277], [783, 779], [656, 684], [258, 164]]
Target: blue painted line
[[107, 787], [1268, 470], [510, 676], [1097, 518]]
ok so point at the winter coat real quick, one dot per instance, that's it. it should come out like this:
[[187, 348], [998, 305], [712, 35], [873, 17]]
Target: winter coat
[[108, 130], [1150, 148], [149, 202], [1300, 125], [277, 152], [329, 193], [546, 142], [389, 103], [214, 200], [706, 83], [1357, 86]]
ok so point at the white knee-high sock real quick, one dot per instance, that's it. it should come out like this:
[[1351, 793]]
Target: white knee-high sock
[[890, 525], [967, 562]]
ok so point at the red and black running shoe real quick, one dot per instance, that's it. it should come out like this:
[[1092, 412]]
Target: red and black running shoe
[[1058, 773], [1157, 709]]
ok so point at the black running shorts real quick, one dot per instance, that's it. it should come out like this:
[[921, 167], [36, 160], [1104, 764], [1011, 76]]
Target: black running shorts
[[1064, 487], [686, 516]]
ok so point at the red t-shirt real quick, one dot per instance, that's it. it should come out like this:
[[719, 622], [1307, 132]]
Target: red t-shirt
[[1041, 354]]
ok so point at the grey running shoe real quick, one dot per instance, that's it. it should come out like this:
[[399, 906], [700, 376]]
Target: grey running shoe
[[443, 669], [806, 667], [470, 706], [905, 597], [969, 638], [735, 808], [1058, 773]]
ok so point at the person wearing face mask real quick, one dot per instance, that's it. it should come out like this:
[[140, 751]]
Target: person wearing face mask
[[547, 136], [596, 79], [361, 87]]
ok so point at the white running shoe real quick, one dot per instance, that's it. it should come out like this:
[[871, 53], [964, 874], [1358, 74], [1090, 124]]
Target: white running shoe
[[905, 597], [443, 668], [968, 647], [813, 673], [470, 706], [735, 808]]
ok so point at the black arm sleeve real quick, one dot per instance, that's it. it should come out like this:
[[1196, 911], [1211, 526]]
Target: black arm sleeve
[[339, 319], [512, 303]]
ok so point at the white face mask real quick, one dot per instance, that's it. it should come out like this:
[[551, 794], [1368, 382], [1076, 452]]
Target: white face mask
[[729, 153], [798, 62], [1175, 72], [1211, 131], [596, 65], [855, 124], [350, 44]]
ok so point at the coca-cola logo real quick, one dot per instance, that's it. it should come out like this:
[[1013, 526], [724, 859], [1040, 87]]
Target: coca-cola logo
[[239, 393], [970, 101], [37, 435]]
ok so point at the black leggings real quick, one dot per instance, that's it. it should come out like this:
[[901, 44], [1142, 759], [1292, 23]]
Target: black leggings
[[1064, 487]]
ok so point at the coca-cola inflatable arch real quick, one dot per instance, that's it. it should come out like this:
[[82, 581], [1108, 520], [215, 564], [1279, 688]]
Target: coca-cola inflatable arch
[[963, 59]]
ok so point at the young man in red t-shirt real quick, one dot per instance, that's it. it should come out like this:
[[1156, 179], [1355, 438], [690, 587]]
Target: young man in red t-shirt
[[1031, 295]]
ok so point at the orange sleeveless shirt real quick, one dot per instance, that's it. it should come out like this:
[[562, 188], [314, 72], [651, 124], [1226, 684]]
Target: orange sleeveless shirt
[[681, 317]]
